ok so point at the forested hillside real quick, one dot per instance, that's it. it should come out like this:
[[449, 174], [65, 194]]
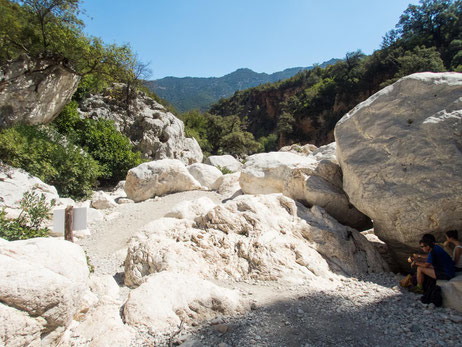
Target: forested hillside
[[306, 107], [190, 93]]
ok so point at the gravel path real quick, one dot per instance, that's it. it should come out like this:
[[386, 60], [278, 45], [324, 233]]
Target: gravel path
[[367, 311]]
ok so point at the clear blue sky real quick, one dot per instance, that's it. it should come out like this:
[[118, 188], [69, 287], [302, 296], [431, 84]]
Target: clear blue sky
[[204, 38]]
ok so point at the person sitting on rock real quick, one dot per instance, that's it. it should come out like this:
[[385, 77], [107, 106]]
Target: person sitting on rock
[[439, 264], [453, 238], [422, 257]]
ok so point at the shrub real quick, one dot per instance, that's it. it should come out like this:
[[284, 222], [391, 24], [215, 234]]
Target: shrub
[[102, 141], [49, 157], [34, 211]]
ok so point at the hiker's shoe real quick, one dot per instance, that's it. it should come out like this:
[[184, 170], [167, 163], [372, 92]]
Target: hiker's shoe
[[416, 289]]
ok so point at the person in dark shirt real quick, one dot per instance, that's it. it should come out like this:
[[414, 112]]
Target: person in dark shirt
[[439, 264]]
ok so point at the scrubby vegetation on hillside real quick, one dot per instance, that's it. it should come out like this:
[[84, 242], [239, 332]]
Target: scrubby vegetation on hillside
[[306, 107], [75, 155]]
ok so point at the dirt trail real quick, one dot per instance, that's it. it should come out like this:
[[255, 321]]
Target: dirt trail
[[106, 247]]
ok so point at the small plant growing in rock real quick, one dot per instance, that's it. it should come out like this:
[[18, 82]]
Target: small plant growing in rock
[[34, 211], [224, 170]]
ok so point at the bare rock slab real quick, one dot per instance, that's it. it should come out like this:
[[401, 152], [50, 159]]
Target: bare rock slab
[[166, 299], [401, 156]]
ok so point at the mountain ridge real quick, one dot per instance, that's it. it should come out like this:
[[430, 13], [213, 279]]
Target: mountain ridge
[[188, 93]]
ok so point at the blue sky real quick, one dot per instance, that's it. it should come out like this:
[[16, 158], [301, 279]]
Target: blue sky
[[204, 38]]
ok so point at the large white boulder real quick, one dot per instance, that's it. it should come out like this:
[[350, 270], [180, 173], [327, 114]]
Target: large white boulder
[[157, 178], [15, 182], [265, 237], [34, 91], [224, 162], [153, 130], [166, 299], [45, 280], [452, 292], [266, 173], [314, 179], [207, 175], [400, 153]]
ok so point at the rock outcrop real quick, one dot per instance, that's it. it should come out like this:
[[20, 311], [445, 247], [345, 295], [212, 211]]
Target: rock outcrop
[[265, 237], [166, 299], [154, 131], [401, 157], [34, 91], [314, 179], [227, 162], [42, 284], [158, 178]]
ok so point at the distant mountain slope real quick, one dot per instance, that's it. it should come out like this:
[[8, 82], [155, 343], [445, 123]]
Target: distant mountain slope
[[189, 93]]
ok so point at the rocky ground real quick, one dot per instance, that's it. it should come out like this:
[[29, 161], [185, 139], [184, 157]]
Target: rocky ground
[[366, 311]]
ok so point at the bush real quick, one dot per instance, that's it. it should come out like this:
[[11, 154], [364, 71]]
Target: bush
[[35, 210], [102, 141], [49, 157]]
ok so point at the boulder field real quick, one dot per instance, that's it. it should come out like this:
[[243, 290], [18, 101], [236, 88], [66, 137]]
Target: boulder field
[[289, 218]]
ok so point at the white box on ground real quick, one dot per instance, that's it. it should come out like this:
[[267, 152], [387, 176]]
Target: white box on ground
[[79, 222]]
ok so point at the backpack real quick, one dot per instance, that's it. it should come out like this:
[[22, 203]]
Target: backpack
[[432, 295]]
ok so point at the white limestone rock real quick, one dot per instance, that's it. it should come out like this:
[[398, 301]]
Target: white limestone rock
[[451, 291], [45, 279], [224, 162], [401, 157], [167, 298], [228, 185], [265, 237], [190, 209], [18, 329], [157, 178], [15, 182], [101, 201], [297, 149], [154, 131], [34, 91], [102, 327], [207, 175], [266, 173]]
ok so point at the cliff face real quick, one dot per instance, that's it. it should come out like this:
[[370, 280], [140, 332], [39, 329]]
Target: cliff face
[[314, 118], [34, 91]]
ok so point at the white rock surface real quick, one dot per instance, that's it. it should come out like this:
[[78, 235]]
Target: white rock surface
[[15, 182], [166, 299], [102, 327], [101, 201], [34, 91], [266, 237], [452, 292], [45, 279], [314, 179], [157, 133], [401, 156], [158, 178], [207, 175], [266, 173], [18, 329], [190, 209], [225, 162], [228, 185]]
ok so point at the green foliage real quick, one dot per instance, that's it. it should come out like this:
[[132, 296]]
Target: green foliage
[[269, 143], [224, 170], [46, 155], [34, 211], [220, 135], [100, 138], [427, 38]]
